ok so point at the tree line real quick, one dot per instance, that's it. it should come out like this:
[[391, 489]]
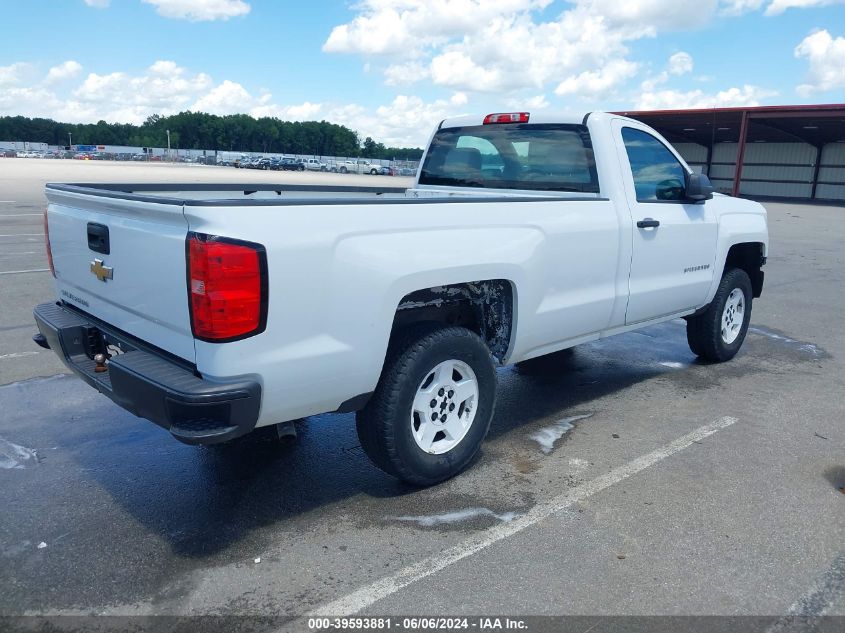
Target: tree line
[[198, 130]]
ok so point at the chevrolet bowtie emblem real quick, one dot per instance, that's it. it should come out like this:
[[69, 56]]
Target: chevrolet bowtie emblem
[[102, 272]]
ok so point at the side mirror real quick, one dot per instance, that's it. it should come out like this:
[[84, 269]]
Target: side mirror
[[698, 188], [672, 189]]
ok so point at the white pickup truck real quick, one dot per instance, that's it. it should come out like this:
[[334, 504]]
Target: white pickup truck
[[215, 309], [313, 164], [360, 166]]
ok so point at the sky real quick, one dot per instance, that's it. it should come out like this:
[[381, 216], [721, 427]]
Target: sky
[[392, 69]]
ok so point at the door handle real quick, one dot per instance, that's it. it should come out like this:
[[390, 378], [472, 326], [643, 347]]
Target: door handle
[[648, 223]]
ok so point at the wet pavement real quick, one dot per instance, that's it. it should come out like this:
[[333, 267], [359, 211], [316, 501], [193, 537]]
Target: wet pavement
[[105, 513]]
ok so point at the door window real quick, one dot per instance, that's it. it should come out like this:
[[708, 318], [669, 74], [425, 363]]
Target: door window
[[658, 175]]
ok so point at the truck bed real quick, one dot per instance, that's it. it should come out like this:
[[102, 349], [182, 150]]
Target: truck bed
[[253, 194]]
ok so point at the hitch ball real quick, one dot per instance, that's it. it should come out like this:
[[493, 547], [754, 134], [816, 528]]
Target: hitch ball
[[100, 360]]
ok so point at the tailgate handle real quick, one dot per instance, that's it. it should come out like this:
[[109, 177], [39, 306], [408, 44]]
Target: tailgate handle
[[98, 238]]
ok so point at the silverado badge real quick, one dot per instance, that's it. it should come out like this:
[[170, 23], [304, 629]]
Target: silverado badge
[[100, 271]]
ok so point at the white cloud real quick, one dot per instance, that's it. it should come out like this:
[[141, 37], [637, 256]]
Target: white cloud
[[98, 4], [405, 73], [740, 7], [647, 17], [407, 120], [510, 47], [410, 26], [678, 100], [600, 83], [773, 7], [165, 88], [13, 74], [502, 45], [66, 70], [779, 6], [680, 63], [200, 10], [537, 102], [227, 98], [826, 57], [459, 99]]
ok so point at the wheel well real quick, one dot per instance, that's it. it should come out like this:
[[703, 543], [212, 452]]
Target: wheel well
[[748, 257], [485, 307]]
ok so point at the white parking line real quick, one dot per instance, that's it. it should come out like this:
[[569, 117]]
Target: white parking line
[[20, 272], [23, 235], [17, 355], [18, 215], [366, 596], [823, 597]]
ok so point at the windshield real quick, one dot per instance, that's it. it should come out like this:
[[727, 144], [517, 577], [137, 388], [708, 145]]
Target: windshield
[[535, 157]]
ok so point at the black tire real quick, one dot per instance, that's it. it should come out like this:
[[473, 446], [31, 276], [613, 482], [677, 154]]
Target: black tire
[[373, 172], [704, 331], [343, 170], [385, 424]]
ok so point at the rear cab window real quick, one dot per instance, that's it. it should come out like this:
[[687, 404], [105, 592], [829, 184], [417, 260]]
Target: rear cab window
[[541, 157]]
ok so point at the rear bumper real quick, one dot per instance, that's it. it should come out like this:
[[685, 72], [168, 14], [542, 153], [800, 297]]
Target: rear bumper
[[148, 382]]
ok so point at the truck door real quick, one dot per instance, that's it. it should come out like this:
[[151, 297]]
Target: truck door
[[674, 241]]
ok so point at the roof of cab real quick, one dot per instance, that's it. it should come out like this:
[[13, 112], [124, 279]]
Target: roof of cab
[[538, 117]]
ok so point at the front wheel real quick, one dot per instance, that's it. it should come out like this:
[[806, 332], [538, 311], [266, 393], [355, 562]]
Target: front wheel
[[343, 170], [432, 407], [717, 333]]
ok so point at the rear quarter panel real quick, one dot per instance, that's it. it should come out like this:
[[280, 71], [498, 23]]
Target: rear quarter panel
[[335, 287]]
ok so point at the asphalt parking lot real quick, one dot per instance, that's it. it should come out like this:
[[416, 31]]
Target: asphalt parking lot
[[681, 488]]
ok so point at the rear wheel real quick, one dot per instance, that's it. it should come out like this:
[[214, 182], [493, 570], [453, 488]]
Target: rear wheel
[[432, 407], [717, 333]]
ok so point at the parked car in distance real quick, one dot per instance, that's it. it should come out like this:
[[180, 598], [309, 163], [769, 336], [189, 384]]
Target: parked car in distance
[[291, 164], [9, 153], [359, 166], [262, 163], [314, 164]]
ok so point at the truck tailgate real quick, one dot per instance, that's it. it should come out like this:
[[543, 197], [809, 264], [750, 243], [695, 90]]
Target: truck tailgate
[[123, 262]]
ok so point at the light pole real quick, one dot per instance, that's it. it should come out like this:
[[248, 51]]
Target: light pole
[[168, 144], [69, 140]]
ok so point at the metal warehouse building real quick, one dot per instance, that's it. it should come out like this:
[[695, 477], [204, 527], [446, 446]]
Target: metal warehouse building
[[795, 152]]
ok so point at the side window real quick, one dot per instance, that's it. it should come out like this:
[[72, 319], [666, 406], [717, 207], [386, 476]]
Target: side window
[[658, 176]]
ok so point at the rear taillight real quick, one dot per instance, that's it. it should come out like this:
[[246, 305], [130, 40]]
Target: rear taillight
[[507, 117], [47, 243], [227, 287]]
